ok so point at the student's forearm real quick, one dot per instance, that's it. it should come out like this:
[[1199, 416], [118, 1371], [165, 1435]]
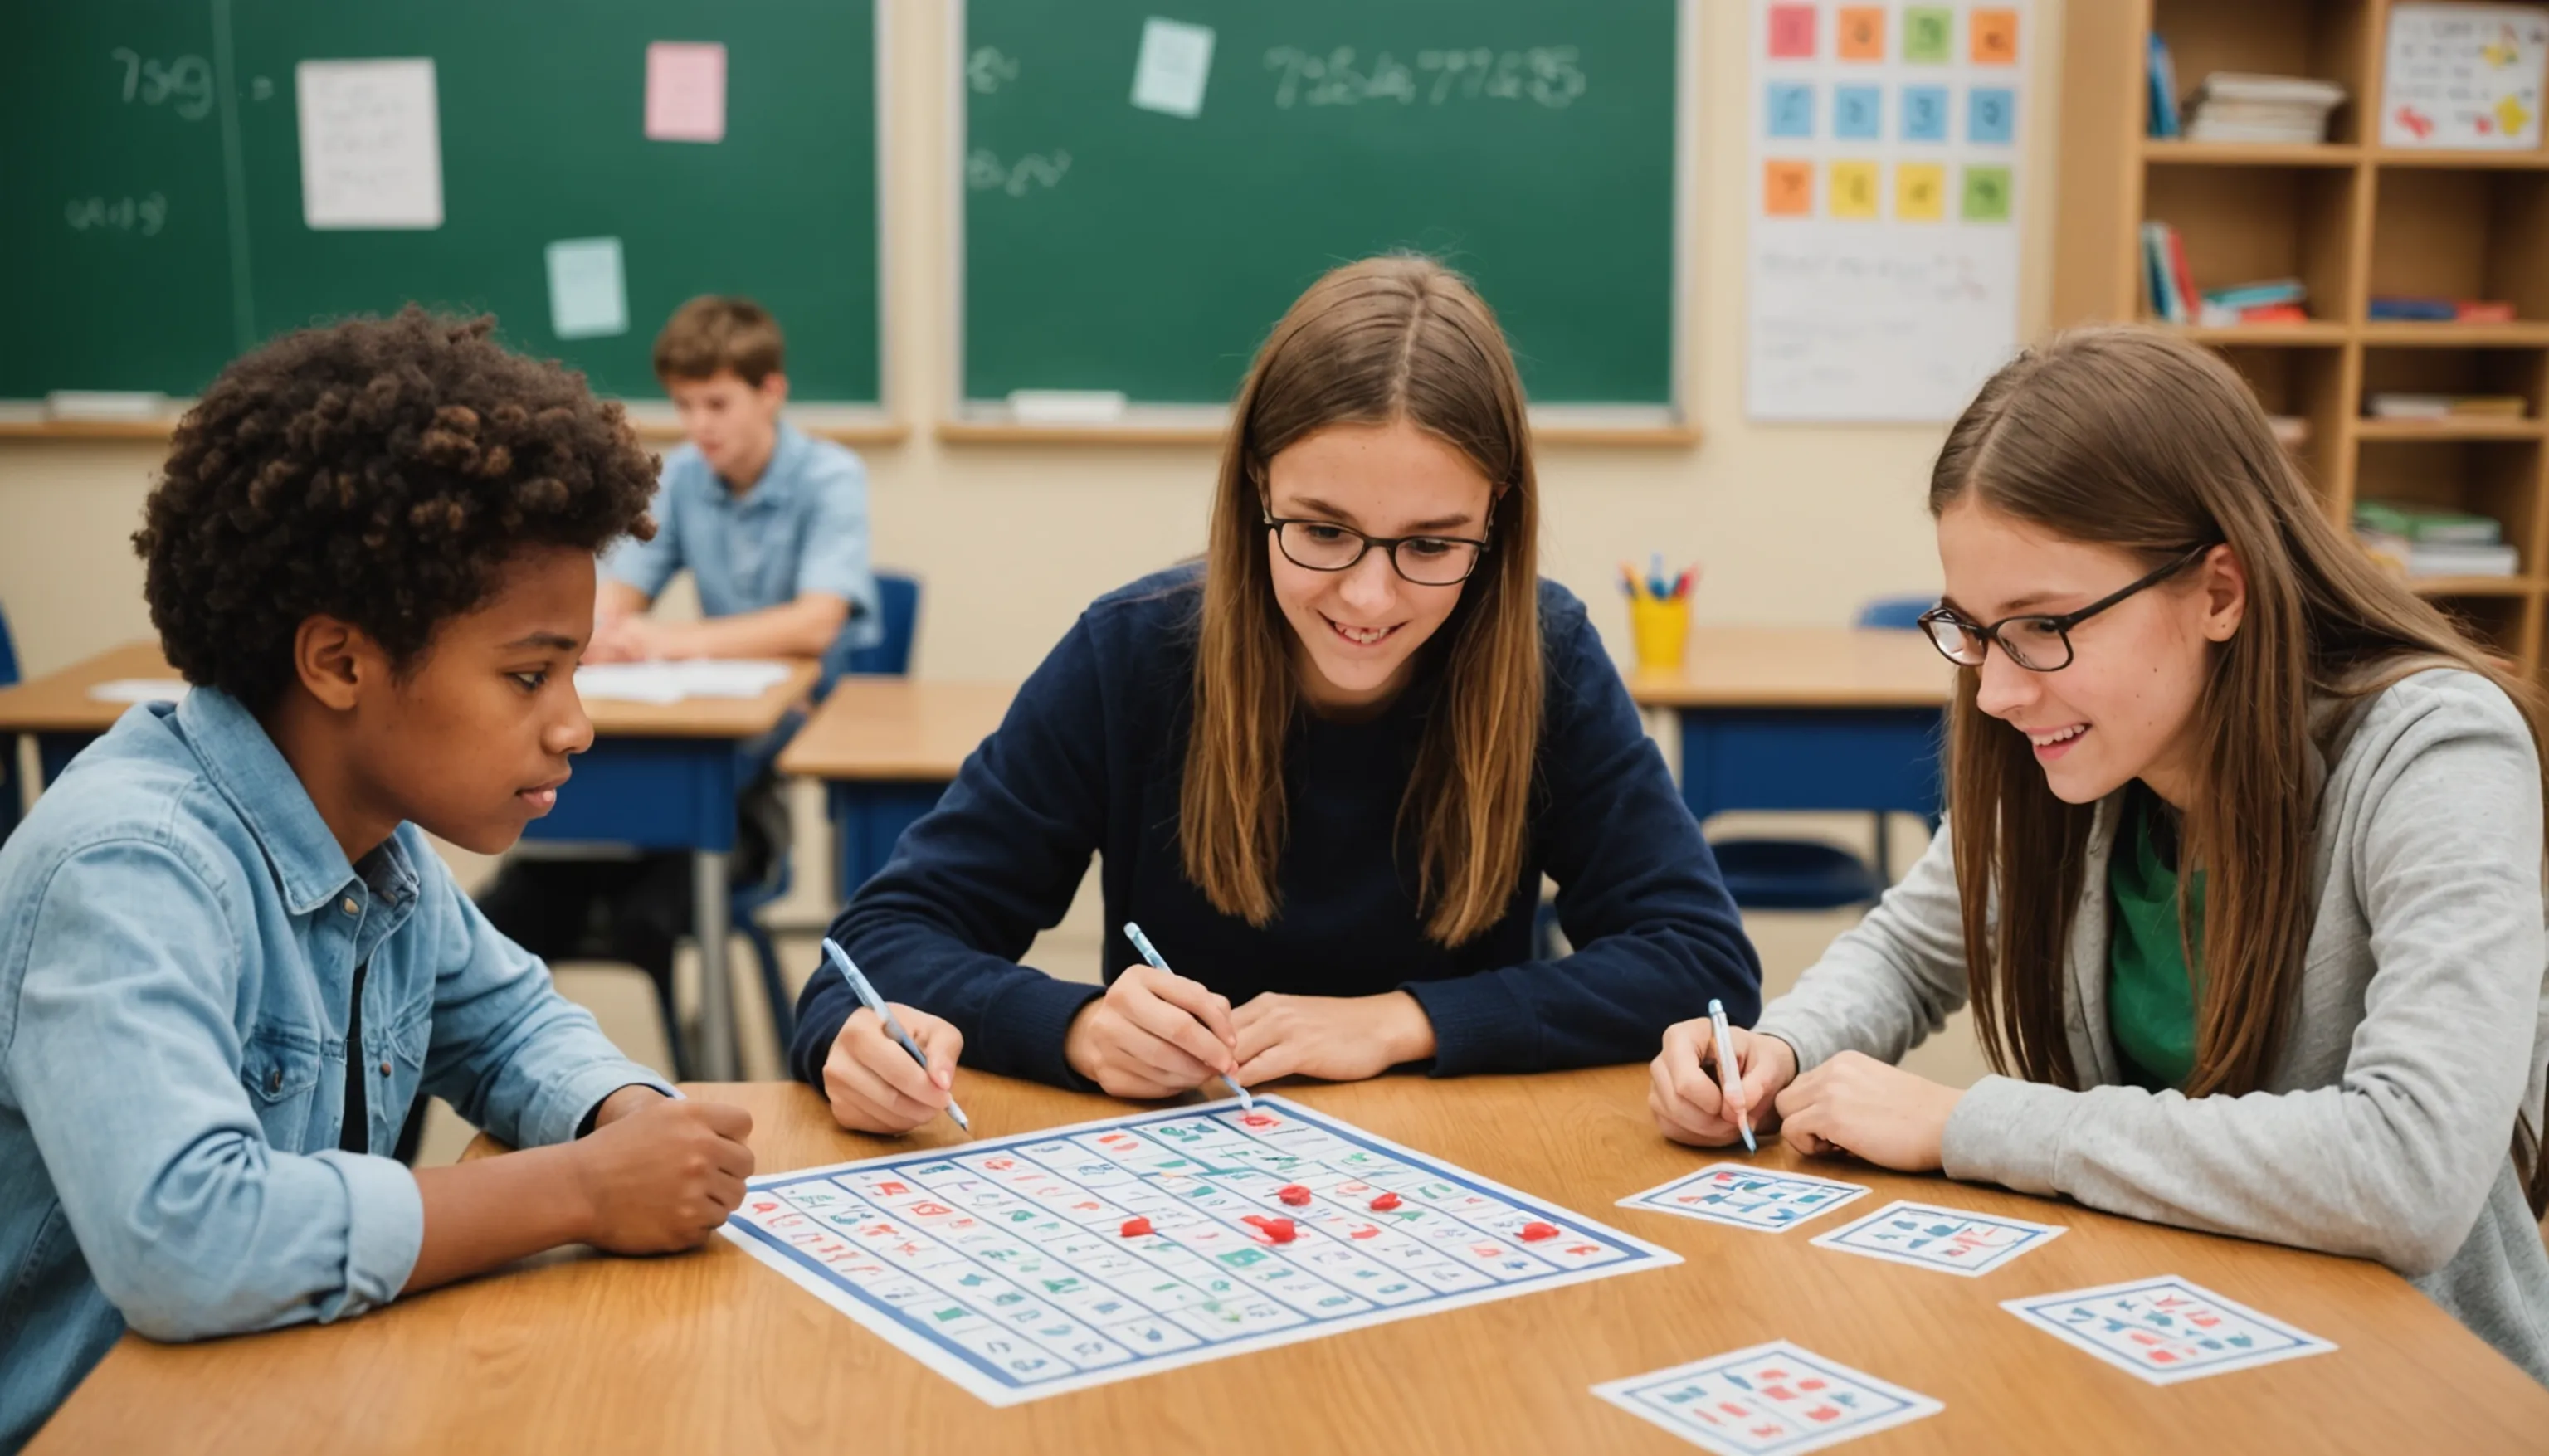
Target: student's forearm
[[491, 1211], [805, 628]]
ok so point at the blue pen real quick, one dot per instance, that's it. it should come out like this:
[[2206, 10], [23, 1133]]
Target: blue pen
[[1734, 1074], [1142, 942], [869, 998]]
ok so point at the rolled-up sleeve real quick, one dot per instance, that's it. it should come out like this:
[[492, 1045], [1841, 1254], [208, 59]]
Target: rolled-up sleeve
[[124, 1062], [508, 1053], [835, 558]]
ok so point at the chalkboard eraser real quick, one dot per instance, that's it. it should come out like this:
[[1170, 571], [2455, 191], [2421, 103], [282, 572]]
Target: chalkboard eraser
[[1067, 406], [105, 405]]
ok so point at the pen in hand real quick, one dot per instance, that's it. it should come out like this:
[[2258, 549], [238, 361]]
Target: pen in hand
[[1731, 1072], [1151, 956], [869, 998]]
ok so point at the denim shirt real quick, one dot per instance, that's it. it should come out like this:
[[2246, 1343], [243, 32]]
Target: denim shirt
[[179, 935], [801, 527]]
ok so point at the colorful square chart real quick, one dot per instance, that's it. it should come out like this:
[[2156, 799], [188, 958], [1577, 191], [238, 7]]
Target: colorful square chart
[[1853, 191], [1789, 110], [1792, 32], [1929, 1236], [1860, 31], [1986, 198], [1920, 192], [2165, 1330], [1788, 189], [1925, 113], [1929, 34], [1771, 1400], [1747, 1197]]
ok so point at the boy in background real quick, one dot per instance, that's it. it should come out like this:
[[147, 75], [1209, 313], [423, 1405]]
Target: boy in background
[[229, 960], [773, 527]]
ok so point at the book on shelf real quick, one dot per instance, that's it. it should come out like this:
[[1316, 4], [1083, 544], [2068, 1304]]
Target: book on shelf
[[2418, 308], [2419, 561], [2426, 525], [2242, 106], [2164, 275], [2273, 301], [2401, 405], [2163, 121]]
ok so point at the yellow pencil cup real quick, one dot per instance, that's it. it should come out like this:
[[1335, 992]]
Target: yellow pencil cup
[[1662, 629]]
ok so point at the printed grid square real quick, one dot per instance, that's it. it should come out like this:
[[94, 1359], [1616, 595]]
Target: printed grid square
[[1747, 1197], [2165, 1330], [1930, 1237], [1771, 1400]]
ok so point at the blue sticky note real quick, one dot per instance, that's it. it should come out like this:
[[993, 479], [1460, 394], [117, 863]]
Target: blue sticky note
[[1859, 112], [1792, 109], [588, 289], [1990, 114], [1925, 113]]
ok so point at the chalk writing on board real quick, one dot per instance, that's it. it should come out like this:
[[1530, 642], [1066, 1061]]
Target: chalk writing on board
[[1545, 75], [183, 85], [143, 215], [987, 70], [1035, 172]]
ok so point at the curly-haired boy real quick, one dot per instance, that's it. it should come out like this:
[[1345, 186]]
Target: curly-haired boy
[[229, 958]]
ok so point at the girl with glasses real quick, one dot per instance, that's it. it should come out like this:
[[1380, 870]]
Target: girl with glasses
[[1324, 770], [2241, 873]]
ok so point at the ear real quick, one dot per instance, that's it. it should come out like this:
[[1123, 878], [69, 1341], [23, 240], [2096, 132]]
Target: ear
[[336, 661], [2224, 583], [774, 389]]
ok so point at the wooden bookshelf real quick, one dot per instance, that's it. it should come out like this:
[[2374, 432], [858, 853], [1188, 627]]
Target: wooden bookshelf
[[2352, 219]]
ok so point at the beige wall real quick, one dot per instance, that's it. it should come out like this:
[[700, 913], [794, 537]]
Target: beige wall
[[1793, 523]]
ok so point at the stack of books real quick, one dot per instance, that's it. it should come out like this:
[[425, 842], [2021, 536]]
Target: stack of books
[[2412, 309], [2399, 404], [2426, 541], [2175, 300], [2238, 105], [2273, 301]]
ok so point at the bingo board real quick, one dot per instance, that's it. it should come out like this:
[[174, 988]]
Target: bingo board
[[1005, 1265]]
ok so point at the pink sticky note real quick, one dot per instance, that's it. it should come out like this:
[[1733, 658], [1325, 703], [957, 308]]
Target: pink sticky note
[[686, 91]]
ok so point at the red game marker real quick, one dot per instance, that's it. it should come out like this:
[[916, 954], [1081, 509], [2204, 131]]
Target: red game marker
[[1293, 1193], [1535, 1233], [1275, 1230], [1384, 1203], [1136, 1227]]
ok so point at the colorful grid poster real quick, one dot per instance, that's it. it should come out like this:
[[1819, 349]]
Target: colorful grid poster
[[1884, 176]]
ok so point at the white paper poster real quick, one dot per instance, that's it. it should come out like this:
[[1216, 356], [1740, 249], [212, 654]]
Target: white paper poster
[[2463, 75], [371, 144], [685, 91], [1175, 62], [1884, 281], [587, 291]]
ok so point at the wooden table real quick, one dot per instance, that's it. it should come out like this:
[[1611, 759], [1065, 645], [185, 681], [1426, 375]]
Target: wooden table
[[661, 776], [712, 1352], [1831, 668], [885, 748]]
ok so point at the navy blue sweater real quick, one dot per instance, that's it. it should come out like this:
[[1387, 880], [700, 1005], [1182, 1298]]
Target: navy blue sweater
[[1090, 760]]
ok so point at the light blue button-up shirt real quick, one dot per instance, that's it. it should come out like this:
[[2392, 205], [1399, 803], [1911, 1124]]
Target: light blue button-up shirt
[[801, 527], [179, 934]]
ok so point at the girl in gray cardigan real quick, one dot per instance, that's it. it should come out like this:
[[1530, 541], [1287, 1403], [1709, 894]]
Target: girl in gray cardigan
[[2243, 872]]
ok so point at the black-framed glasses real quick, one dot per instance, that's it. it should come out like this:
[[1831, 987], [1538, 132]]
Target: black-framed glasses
[[1424, 561], [2039, 644]]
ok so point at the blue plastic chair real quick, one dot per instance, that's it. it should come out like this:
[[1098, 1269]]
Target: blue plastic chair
[[9, 789], [898, 600], [1809, 874]]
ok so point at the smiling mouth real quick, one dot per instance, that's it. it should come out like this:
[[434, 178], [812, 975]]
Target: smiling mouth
[[2054, 742], [1357, 636]]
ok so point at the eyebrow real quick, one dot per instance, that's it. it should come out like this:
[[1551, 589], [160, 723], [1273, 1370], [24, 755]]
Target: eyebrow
[[554, 641], [1320, 508], [2021, 606]]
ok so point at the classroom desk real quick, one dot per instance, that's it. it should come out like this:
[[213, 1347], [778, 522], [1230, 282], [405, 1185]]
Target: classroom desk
[[1806, 718], [713, 1351], [885, 748], [659, 775]]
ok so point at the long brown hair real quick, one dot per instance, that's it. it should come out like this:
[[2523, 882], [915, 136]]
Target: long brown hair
[[2131, 439], [1385, 339]]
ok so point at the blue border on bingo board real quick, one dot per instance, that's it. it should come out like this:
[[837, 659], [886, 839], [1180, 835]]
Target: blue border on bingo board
[[994, 1385]]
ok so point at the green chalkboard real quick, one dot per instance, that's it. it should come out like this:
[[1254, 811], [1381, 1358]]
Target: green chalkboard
[[1116, 246], [189, 109]]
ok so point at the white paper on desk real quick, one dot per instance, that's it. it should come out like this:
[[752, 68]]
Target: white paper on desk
[[686, 91], [371, 144], [675, 681], [588, 287], [1174, 63], [138, 689]]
